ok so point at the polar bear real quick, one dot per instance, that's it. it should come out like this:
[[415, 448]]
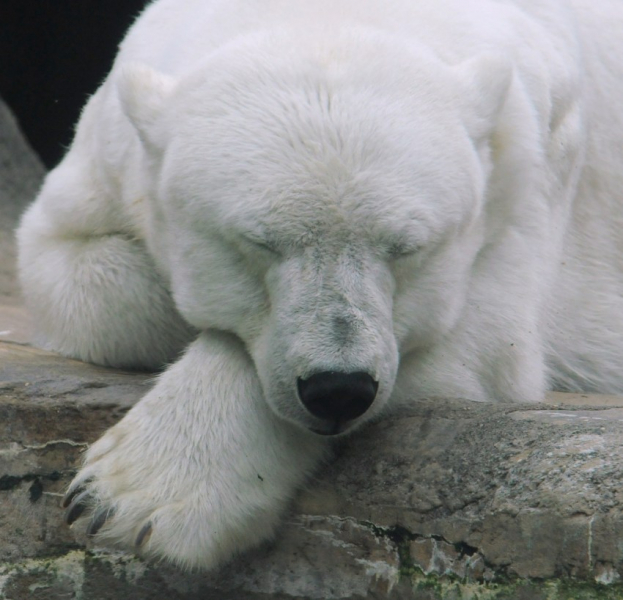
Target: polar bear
[[316, 212]]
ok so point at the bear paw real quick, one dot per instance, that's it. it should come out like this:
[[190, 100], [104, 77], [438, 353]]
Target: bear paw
[[189, 510]]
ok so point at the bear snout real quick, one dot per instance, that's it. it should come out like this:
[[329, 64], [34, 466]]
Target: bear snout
[[337, 397]]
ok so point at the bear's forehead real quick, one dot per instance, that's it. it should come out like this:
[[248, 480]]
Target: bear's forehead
[[322, 202]]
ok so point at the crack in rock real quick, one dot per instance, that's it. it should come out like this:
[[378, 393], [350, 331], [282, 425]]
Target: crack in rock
[[10, 482], [434, 554]]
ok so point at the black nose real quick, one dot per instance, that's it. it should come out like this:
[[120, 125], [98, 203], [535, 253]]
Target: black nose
[[337, 396]]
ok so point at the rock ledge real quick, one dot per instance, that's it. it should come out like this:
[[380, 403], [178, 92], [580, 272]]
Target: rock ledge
[[451, 499]]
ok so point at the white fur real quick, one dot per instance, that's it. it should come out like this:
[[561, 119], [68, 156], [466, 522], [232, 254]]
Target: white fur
[[425, 191]]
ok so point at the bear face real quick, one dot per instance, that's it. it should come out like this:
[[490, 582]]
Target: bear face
[[310, 219]]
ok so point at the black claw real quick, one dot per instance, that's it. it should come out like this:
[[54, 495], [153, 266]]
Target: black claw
[[72, 493], [98, 520], [144, 534], [77, 507]]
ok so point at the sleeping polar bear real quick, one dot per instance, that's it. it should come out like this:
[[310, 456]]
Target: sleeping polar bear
[[328, 208]]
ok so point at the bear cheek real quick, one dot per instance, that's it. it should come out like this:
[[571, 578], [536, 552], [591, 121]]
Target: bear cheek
[[207, 299]]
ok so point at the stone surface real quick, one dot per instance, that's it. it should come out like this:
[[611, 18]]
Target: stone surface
[[21, 173], [496, 501], [450, 500]]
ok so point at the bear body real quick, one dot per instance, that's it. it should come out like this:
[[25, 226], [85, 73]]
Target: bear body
[[322, 210]]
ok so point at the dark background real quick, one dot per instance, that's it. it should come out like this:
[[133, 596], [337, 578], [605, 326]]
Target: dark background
[[53, 56]]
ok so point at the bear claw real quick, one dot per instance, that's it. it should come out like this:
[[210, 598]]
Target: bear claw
[[73, 492], [77, 506], [99, 520], [143, 535]]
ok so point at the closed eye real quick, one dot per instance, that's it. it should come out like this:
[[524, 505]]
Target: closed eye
[[261, 245], [402, 250]]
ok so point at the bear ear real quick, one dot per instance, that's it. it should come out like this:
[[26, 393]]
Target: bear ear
[[143, 93], [485, 82]]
